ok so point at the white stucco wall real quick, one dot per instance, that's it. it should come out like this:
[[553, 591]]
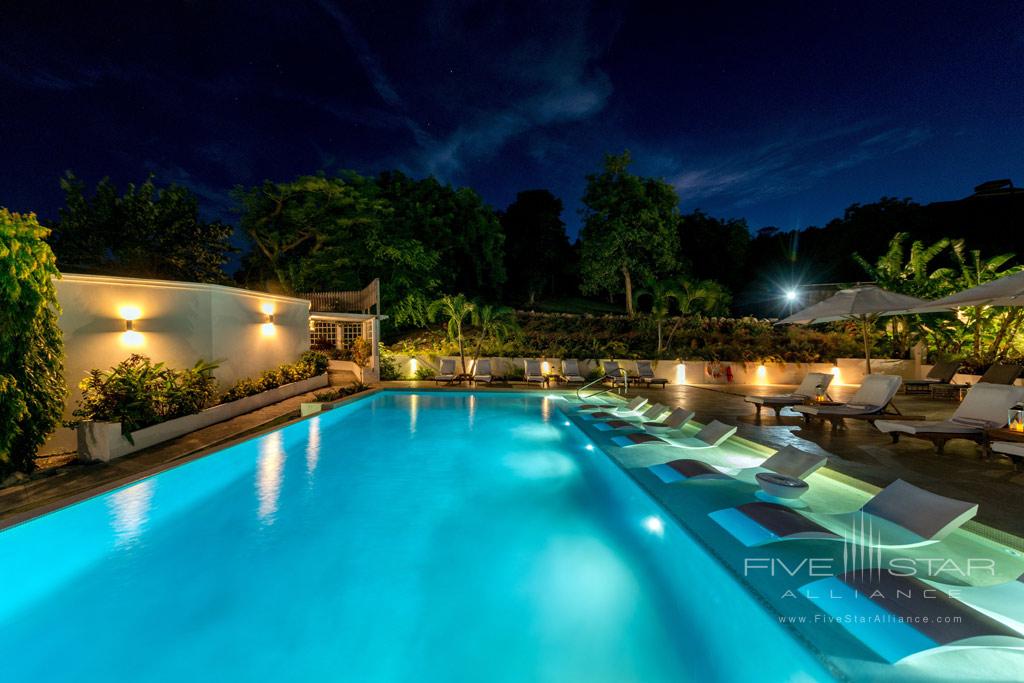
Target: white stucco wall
[[178, 323]]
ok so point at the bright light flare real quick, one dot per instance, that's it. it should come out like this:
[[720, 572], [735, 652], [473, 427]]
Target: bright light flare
[[129, 312], [654, 525], [791, 295], [267, 308], [131, 339]]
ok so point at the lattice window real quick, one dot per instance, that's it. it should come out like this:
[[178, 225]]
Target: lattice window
[[350, 332], [324, 331]]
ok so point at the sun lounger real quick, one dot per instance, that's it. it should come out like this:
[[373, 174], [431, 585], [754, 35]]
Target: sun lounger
[[710, 435], [675, 420], [571, 371], [996, 374], [813, 385], [645, 374], [534, 374], [790, 461], [482, 372], [1003, 601], [632, 408], [941, 373], [1013, 451], [900, 515], [635, 402], [985, 407], [613, 372], [899, 617], [447, 371], [871, 400], [652, 413]]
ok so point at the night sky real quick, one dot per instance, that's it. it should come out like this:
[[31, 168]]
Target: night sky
[[782, 116]]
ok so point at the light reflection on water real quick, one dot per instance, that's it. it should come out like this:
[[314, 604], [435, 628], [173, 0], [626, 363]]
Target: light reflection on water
[[313, 446], [472, 410], [414, 405], [130, 511], [269, 475]]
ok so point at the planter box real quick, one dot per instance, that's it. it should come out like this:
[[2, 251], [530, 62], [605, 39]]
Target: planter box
[[104, 441]]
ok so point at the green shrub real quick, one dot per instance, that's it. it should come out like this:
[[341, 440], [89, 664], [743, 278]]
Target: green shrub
[[425, 372], [32, 389], [388, 368], [138, 393], [309, 364]]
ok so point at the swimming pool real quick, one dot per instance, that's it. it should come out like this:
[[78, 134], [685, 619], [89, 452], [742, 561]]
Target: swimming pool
[[435, 536]]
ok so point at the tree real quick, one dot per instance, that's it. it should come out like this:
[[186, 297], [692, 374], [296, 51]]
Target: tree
[[537, 250], [32, 386], [662, 293], [995, 325], [454, 224], [907, 273], [456, 309], [145, 232], [629, 229], [311, 232], [496, 323], [715, 248]]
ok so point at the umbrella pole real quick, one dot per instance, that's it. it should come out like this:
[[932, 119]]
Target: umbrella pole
[[867, 345]]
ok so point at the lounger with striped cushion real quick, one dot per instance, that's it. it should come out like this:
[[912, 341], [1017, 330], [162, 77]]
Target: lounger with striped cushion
[[447, 371], [571, 371], [482, 371], [645, 373], [710, 435], [533, 372], [900, 617], [651, 413], [900, 516], [790, 461]]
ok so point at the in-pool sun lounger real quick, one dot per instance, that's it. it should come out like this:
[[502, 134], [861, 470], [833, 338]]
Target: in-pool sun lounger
[[813, 385], [900, 617], [1002, 601], [675, 421], [634, 404], [790, 461], [634, 407], [899, 516], [984, 407], [710, 435], [482, 372], [571, 371], [874, 395], [447, 371], [652, 413]]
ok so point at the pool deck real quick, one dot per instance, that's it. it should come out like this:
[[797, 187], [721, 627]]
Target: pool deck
[[860, 451]]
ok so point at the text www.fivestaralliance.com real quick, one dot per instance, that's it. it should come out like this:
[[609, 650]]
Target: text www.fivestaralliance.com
[[869, 619]]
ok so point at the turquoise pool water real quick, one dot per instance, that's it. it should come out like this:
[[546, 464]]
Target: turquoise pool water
[[405, 537]]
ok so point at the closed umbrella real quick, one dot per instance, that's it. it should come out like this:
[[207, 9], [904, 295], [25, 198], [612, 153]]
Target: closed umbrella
[[864, 304]]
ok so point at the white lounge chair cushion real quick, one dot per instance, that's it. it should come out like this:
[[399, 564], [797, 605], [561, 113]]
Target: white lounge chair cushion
[[793, 462], [987, 404], [929, 427], [812, 380], [874, 394], [1008, 448], [714, 433]]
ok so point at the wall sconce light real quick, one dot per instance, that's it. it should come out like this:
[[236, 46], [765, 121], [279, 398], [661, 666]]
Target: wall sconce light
[[130, 337], [268, 313]]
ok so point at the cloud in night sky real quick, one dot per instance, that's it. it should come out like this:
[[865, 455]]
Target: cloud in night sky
[[781, 117]]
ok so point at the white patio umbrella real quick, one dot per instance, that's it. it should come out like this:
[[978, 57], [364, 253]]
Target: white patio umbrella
[[1005, 291], [863, 304]]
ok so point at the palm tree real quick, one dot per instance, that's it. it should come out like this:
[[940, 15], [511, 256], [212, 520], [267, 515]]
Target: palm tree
[[694, 298], [662, 293], [973, 271], [456, 308], [908, 276], [494, 322]]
